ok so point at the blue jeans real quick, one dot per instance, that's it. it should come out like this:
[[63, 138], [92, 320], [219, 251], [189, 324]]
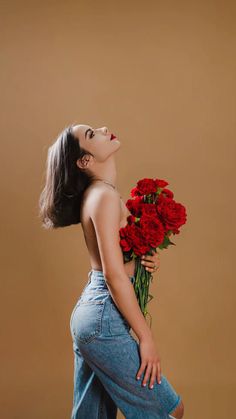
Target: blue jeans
[[106, 361]]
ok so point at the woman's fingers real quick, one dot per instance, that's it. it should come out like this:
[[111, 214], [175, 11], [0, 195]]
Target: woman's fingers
[[141, 369], [147, 373], [153, 376], [149, 261], [159, 372], [153, 371]]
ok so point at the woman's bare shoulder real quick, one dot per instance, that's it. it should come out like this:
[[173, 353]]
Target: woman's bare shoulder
[[95, 197], [97, 192]]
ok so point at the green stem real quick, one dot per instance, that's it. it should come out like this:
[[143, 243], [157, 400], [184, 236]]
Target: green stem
[[141, 287]]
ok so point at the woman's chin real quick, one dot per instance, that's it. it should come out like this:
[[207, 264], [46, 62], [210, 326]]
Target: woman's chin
[[117, 145]]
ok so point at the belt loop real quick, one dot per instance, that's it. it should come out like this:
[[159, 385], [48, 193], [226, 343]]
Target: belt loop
[[89, 276]]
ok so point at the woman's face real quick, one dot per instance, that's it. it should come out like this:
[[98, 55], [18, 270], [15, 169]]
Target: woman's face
[[97, 141]]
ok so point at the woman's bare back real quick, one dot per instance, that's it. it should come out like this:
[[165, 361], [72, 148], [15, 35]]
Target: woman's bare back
[[88, 228]]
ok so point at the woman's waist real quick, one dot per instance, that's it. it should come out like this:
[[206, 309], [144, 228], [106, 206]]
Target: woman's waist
[[97, 281], [98, 278], [96, 289]]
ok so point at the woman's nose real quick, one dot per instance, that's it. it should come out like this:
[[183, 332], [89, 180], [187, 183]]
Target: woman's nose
[[105, 129]]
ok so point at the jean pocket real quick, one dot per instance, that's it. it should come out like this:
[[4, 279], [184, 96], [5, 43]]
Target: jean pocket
[[86, 322]]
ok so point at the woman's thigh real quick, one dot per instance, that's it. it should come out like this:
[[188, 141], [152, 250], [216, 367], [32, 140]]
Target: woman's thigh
[[103, 337]]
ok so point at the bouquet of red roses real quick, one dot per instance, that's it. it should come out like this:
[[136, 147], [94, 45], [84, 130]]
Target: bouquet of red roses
[[154, 216]]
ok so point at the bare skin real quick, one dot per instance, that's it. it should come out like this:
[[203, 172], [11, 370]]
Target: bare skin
[[97, 141], [149, 261], [178, 413], [102, 214]]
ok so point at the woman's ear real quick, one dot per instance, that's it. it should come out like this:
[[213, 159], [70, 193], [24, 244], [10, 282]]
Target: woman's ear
[[84, 162]]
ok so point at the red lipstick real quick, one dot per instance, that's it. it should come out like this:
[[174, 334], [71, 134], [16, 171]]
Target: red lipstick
[[112, 137]]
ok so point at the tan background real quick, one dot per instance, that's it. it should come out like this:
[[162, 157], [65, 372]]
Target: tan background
[[161, 75]]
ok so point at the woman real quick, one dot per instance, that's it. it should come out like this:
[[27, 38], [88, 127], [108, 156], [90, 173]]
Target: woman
[[111, 369]]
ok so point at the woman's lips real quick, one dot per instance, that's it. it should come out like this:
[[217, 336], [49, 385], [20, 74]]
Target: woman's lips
[[112, 137]]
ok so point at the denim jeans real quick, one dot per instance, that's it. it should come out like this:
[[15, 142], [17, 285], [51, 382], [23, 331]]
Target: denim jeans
[[107, 359]]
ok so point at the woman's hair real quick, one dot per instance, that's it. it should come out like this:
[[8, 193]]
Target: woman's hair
[[60, 200]]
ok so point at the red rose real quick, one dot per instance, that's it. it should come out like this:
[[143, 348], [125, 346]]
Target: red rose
[[140, 244], [152, 229], [148, 209], [125, 245], [168, 193], [131, 219], [146, 186], [134, 205], [134, 191], [161, 183], [172, 214], [133, 239], [127, 233]]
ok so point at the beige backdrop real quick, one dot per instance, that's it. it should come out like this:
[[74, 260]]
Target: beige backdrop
[[161, 75]]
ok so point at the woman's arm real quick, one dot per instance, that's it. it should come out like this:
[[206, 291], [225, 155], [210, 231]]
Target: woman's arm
[[105, 215], [129, 267], [149, 261]]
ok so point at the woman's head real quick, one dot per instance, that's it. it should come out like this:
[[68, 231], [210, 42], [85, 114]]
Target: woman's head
[[74, 161], [98, 142]]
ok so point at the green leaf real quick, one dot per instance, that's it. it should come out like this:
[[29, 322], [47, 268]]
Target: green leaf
[[166, 242]]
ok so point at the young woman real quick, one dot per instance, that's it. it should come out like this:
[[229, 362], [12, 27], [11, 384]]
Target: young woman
[[111, 368]]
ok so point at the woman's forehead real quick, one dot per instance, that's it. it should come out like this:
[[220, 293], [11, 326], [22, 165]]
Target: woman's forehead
[[80, 129]]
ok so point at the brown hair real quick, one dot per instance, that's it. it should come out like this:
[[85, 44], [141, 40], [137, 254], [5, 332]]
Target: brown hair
[[60, 200]]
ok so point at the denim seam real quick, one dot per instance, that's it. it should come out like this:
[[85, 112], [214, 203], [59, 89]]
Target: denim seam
[[104, 292], [175, 404], [91, 302]]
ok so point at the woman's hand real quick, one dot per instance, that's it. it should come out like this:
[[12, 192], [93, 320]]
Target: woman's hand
[[151, 262], [150, 360]]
